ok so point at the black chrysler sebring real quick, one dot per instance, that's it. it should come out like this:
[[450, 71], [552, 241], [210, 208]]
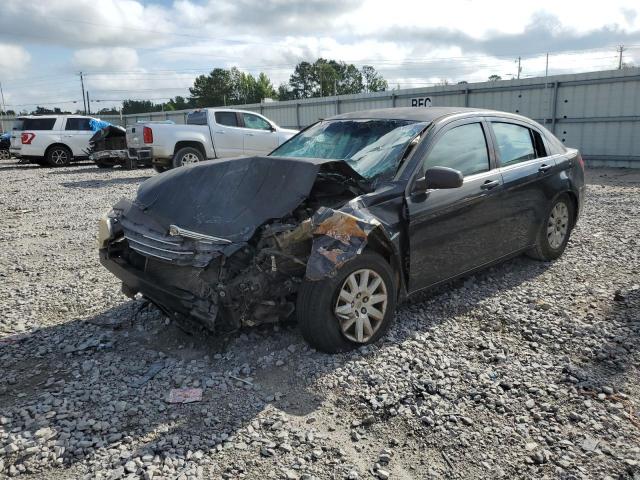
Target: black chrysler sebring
[[345, 220]]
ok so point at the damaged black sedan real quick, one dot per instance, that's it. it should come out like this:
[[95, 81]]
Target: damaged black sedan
[[346, 219]]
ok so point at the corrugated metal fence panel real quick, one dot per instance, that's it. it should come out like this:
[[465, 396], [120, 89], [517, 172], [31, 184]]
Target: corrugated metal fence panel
[[597, 112]]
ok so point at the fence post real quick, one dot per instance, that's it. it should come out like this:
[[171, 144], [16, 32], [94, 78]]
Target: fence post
[[554, 107], [466, 97], [297, 114], [393, 99], [337, 107]]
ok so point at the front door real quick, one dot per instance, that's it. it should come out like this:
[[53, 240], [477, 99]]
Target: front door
[[259, 137], [452, 231]]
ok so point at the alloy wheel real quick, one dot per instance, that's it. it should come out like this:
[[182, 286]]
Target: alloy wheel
[[59, 157], [558, 225], [361, 305], [189, 158]]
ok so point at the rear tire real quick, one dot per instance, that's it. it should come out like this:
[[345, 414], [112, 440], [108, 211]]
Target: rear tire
[[187, 156], [318, 301], [58, 156], [159, 169], [103, 165], [554, 233]]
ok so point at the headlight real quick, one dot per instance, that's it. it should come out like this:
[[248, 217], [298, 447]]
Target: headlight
[[105, 230]]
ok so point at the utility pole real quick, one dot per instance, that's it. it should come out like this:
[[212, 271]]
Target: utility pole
[[620, 50], [84, 103], [88, 111], [519, 68]]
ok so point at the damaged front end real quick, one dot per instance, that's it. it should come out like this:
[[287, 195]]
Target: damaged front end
[[230, 242]]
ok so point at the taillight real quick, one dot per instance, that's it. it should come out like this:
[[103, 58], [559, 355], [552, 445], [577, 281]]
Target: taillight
[[147, 135], [27, 137], [580, 161]]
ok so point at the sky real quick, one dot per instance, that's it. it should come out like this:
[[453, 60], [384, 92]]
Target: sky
[[154, 49]]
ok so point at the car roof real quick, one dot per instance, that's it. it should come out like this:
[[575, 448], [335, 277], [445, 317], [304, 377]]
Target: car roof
[[419, 114]]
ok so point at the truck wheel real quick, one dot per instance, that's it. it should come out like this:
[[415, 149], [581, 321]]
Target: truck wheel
[[353, 308], [4, 154], [103, 165], [59, 156], [187, 156], [159, 168]]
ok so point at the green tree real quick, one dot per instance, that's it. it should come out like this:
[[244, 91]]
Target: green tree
[[494, 78], [373, 80], [212, 90], [139, 106], [330, 77], [264, 87]]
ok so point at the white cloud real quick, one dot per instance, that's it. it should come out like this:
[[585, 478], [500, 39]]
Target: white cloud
[[13, 59], [118, 58]]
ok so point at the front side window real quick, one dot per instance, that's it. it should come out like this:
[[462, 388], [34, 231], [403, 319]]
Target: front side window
[[78, 124], [255, 122], [462, 148], [515, 143], [372, 147], [228, 119]]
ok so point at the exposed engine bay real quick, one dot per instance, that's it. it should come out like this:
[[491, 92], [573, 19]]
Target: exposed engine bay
[[231, 271]]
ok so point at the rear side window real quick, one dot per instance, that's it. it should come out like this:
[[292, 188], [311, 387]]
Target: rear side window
[[227, 118], [255, 122], [38, 123], [462, 148], [197, 118], [516, 143], [78, 124]]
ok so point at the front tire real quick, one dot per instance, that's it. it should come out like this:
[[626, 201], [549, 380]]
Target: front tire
[[187, 156], [59, 156], [353, 308], [554, 233]]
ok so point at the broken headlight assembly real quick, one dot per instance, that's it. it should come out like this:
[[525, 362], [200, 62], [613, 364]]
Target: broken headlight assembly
[[105, 227]]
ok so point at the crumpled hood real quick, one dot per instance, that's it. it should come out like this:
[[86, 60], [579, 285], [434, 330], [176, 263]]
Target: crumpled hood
[[230, 198]]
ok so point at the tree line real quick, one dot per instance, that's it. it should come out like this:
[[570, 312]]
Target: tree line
[[222, 87]]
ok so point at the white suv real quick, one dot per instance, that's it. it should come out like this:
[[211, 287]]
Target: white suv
[[53, 140]]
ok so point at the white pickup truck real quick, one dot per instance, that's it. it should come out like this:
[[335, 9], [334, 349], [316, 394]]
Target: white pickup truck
[[53, 140], [209, 133]]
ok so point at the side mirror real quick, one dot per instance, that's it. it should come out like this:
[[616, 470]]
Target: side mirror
[[438, 178]]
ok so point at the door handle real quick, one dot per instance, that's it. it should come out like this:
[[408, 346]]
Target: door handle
[[489, 184], [249, 134], [220, 132], [544, 168]]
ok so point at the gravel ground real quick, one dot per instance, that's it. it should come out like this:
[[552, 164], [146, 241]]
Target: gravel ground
[[527, 370]]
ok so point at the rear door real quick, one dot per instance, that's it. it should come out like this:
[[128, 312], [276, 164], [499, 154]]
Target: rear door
[[452, 231], [228, 137], [528, 173], [260, 137], [76, 135]]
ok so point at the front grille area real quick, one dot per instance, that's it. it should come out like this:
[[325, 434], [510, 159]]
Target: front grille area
[[161, 246]]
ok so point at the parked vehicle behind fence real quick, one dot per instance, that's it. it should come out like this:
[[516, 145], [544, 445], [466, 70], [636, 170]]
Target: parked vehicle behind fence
[[52, 140], [208, 133], [346, 219]]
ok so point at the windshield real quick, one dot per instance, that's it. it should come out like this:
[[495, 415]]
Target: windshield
[[374, 148]]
